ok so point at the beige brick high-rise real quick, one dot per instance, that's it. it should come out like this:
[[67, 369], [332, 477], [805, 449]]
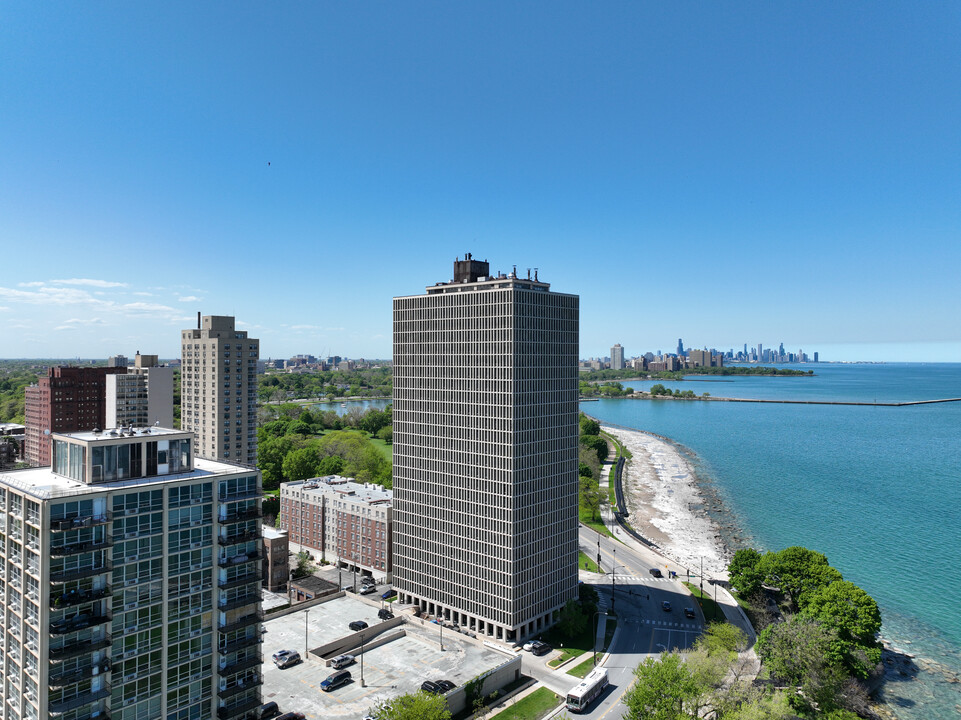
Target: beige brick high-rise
[[218, 389], [485, 450]]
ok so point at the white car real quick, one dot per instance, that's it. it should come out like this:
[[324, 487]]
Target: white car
[[528, 646]]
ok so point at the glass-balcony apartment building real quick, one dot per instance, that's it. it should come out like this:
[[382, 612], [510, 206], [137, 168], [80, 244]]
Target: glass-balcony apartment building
[[130, 582], [486, 450]]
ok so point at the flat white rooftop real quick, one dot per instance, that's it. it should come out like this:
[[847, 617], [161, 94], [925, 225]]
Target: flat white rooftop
[[45, 484]]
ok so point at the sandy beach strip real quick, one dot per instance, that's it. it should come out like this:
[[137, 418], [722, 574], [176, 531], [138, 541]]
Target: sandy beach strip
[[664, 501]]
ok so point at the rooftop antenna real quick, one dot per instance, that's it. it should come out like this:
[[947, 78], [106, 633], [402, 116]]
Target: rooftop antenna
[[535, 274], [528, 273]]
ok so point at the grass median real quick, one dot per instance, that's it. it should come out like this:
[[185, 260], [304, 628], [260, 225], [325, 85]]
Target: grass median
[[532, 707], [712, 611]]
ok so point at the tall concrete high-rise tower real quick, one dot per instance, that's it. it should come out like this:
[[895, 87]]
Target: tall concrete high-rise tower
[[219, 389], [485, 450], [617, 357]]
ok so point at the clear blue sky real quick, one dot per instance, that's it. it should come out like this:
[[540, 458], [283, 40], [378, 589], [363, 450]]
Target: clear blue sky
[[726, 173]]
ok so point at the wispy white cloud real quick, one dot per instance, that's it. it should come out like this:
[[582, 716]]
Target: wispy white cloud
[[189, 298], [46, 295], [145, 307], [35, 283], [89, 281], [304, 327], [3, 308], [144, 294]]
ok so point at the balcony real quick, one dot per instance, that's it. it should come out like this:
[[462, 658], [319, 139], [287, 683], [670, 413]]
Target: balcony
[[238, 581], [240, 644], [239, 559], [76, 597], [78, 648], [254, 661], [77, 548], [250, 514], [235, 495], [248, 599], [78, 622], [58, 708], [240, 623], [241, 538], [80, 573], [229, 711], [80, 674], [80, 521], [251, 682]]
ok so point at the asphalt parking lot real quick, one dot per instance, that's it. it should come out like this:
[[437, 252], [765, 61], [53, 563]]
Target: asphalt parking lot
[[395, 668]]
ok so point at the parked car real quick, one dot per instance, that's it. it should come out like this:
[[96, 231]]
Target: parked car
[[666, 606], [656, 572], [291, 716], [358, 625], [280, 654], [540, 648], [367, 580], [335, 680], [291, 658], [368, 589], [341, 661], [431, 687], [385, 614], [446, 685], [268, 710], [689, 612], [388, 594]]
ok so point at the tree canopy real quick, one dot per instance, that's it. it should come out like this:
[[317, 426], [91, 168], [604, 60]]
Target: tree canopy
[[414, 706]]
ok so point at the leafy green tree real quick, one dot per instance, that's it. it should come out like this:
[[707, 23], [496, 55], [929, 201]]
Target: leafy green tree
[[572, 620], [414, 706], [855, 618], [798, 571], [584, 470], [745, 571], [591, 496], [588, 598], [304, 566], [798, 652], [662, 690], [588, 457], [299, 427], [597, 444], [271, 452], [374, 420], [589, 426], [723, 638], [331, 465], [386, 434], [301, 464]]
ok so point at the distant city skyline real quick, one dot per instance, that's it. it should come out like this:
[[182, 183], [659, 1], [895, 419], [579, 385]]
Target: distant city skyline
[[752, 170]]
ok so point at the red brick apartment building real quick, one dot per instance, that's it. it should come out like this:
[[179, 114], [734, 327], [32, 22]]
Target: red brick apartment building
[[67, 400], [349, 522]]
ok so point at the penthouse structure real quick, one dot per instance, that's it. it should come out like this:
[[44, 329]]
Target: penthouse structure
[[219, 389], [348, 522], [68, 399], [485, 450], [130, 582], [142, 397]]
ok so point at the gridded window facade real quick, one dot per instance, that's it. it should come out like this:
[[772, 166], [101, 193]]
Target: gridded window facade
[[485, 452], [219, 390]]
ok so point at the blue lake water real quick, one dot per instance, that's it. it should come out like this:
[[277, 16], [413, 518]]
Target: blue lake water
[[877, 489]]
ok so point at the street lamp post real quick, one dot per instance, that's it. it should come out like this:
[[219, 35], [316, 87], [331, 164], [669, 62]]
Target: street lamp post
[[613, 573]]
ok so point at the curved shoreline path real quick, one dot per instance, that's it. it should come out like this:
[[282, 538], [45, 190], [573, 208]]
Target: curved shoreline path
[[833, 402]]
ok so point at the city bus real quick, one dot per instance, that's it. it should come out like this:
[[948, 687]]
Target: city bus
[[588, 690]]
